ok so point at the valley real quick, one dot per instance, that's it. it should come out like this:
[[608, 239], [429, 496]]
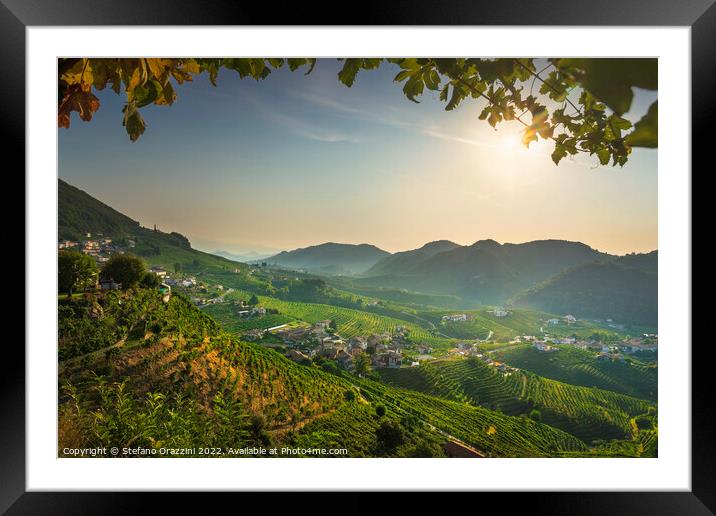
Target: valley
[[445, 346]]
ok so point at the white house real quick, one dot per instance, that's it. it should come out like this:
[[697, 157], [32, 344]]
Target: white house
[[158, 271]]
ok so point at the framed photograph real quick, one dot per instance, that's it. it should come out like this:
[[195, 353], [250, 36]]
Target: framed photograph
[[359, 258]]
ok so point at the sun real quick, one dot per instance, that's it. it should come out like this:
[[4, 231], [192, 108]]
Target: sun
[[509, 141]]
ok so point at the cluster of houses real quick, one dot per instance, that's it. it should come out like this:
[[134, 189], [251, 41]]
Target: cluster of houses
[[250, 313], [499, 312], [568, 319], [604, 350], [100, 248], [455, 318], [306, 343], [505, 369]]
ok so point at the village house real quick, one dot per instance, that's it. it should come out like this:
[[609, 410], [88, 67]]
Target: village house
[[91, 248], [454, 318], [360, 343], [109, 284], [254, 334], [188, 282], [67, 244], [553, 322], [423, 349], [610, 356], [500, 312], [566, 340], [388, 359], [581, 344], [381, 348], [158, 271], [322, 324], [297, 356], [344, 359], [634, 345], [292, 335], [541, 345], [570, 318]]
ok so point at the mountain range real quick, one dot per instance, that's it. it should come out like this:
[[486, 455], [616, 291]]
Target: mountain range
[[330, 258], [555, 276]]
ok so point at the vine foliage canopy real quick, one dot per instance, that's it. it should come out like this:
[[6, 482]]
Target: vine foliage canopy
[[577, 103]]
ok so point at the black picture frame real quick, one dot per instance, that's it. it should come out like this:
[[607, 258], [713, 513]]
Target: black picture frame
[[700, 15]]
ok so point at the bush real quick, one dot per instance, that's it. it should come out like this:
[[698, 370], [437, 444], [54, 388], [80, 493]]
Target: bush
[[390, 435], [125, 269], [150, 280], [380, 410]]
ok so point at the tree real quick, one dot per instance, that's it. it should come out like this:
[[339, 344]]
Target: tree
[[332, 325], [380, 410], [75, 271], [390, 435], [254, 300], [361, 363], [535, 415], [425, 449], [150, 280], [177, 267], [125, 269], [578, 104]]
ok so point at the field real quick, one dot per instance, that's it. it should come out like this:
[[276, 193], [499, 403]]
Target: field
[[578, 367], [350, 322], [518, 322], [588, 413], [231, 322]]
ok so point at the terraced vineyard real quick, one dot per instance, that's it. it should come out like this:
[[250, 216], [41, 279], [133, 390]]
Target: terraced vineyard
[[350, 322], [230, 320], [518, 322], [492, 432], [588, 413], [578, 367], [188, 372]]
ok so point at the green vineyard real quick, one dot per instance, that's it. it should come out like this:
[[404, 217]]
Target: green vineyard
[[492, 432], [178, 367], [350, 322], [588, 413], [518, 322], [578, 367]]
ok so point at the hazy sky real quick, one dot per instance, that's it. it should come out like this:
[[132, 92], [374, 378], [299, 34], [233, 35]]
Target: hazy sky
[[299, 160]]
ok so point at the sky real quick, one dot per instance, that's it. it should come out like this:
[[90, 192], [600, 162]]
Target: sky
[[298, 160]]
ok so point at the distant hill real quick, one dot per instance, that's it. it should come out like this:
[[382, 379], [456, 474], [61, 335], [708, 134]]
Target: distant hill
[[647, 262], [487, 271], [330, 258], [249, 256], [79, 213], [404, 261], [624, 289]]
